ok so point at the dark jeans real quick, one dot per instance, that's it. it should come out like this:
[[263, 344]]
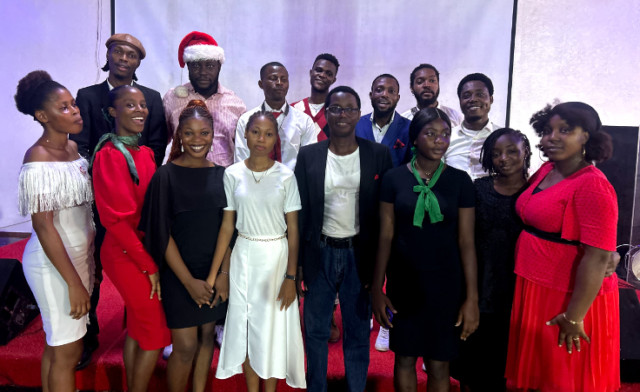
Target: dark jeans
[[338, 275]]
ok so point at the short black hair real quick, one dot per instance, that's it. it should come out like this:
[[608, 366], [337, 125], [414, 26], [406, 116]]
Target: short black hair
[[412, 77], [270, 64], [342, 89], [385, 75], [34, 90], [476, 77], [330, 58], [424, 117], [485, 154], [599, 147]]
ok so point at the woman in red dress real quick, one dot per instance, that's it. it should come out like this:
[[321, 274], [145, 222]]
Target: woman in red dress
[[121, 173], [565, 327]]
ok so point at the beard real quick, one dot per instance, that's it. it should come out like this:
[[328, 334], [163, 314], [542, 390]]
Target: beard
[[425, 103], [383, 113]]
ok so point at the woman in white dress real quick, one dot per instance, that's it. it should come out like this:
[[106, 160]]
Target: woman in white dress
[[55, 190], [262, 331]]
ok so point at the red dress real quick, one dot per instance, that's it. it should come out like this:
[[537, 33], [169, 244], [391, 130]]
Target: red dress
[[124, 258], [582, 207]]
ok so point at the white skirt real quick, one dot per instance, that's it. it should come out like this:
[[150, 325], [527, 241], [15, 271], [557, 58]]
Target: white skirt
[[255, 325], [49, 288]]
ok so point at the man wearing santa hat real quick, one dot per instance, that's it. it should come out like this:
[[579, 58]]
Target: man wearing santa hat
[[124, 54], [204, 58]]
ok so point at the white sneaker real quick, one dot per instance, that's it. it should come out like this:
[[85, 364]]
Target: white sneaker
[[219, 334], [382, 341], [167, 352]]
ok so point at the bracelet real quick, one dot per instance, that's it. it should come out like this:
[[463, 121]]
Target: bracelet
[[291, 277], [224, 272], [572, 322]]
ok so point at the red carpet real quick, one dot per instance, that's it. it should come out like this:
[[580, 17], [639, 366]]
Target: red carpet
[[20, 358]]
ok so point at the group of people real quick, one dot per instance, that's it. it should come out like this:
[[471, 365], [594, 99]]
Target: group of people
[[419, 220]]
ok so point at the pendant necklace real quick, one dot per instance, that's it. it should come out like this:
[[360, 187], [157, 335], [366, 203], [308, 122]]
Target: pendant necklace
[[427, 174]]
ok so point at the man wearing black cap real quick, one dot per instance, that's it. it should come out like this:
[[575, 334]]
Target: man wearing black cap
[[124, 53]]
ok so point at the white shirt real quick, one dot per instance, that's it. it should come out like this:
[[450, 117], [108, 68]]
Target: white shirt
[[261, 206], [464, 149], [455, 116], [341, 195], [378, 131], [295, 129]]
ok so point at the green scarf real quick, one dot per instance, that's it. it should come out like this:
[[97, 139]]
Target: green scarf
[[119, 143], [427, 200]]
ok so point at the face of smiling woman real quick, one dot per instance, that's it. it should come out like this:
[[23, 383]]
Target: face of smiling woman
[[196, 135], [130, 112]]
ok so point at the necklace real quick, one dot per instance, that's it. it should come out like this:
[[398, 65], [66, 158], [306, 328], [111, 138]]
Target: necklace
[[257, 180], [427, 174], [51, 145]]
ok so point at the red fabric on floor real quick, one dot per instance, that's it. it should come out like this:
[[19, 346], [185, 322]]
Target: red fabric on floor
[[20, 358]]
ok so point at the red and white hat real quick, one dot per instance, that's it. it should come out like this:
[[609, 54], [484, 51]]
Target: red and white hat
[[197, 46]]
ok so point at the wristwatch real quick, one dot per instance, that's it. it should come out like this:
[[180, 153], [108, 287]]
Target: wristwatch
[[291, 277]]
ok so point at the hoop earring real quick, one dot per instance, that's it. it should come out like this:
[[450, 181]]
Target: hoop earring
[[541, 153]]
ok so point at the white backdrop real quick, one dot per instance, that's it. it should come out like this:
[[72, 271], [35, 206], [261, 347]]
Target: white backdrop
[[367, 37], [65, 38]]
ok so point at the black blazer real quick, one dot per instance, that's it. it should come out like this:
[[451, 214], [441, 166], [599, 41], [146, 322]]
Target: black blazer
[[92, 99], [375, 160]]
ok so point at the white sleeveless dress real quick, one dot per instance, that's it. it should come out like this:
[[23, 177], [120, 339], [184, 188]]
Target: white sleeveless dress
[[64, 188]]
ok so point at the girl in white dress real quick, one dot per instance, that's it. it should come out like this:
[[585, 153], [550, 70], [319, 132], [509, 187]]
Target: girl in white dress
[[262, 330], [58, 259]]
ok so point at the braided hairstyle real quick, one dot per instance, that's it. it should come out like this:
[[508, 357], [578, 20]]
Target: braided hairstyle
[[195, 107]]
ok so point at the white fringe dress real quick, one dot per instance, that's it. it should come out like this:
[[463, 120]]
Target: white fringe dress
[[64, 188], [255, 325]]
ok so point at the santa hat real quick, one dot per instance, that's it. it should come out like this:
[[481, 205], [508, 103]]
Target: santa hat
[[197, 46]]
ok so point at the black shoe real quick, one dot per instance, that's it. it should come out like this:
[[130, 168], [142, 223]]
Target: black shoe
[[90, 345]]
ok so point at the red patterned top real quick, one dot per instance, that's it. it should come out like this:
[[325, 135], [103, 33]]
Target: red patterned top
[[119, 199], [582, 207]]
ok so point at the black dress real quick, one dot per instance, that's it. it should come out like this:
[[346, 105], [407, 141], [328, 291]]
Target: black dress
[[425, 281], [484, 354], [187, 204]]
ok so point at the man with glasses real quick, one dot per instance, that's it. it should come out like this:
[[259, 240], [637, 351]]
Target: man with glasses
[[204, 58], [295, 128], [339, 182]]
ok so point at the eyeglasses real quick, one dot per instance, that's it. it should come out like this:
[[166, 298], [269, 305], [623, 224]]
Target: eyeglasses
[[197, 66], [337, 110]]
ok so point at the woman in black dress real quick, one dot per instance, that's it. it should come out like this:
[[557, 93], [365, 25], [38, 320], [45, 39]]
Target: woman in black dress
[[505, 156], [181, 220], [427, 251]]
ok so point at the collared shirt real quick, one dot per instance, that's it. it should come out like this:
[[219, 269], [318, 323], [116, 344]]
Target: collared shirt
[[455, 116], [380, 131], [317, 114], [225, 108], [295, 129], [111, 87], [465, 146]]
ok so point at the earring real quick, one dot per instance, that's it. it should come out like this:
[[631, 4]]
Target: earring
[[541, 153], [584, 152], [181, 146]]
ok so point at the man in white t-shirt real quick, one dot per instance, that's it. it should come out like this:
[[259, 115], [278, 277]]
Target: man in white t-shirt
[[339, 182]]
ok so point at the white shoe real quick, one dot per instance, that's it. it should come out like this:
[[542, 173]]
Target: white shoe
[[167, 352], [219, 334], [382, 341]]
